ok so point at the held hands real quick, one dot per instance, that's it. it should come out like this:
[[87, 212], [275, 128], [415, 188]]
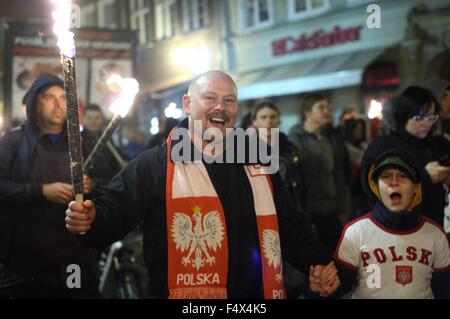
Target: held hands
[[79, 218], [324, 279]]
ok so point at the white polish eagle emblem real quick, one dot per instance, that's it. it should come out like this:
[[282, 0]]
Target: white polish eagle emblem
[[198, 238], [272, 251]]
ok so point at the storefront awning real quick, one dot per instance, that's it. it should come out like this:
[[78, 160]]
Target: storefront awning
[[331, 72]]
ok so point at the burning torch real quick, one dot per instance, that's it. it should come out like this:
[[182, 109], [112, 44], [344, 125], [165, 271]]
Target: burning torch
[[66, 44], [125, 90]]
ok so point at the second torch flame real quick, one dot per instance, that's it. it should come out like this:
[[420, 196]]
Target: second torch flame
[[125, 90]]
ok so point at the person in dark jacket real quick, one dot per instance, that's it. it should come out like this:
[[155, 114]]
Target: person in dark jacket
[[266, 115], [107, 160], [35, 186], [165, 127], [413, 113], [355, 131], [394, 251], [441, 91], [325, 168], [211, 229]]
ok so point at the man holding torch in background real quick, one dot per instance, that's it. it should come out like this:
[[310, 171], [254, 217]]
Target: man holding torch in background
[[108, 162], [35, 188]]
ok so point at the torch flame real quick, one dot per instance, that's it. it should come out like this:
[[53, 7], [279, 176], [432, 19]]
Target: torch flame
[[62, 17], [127, 90], [112, 83]]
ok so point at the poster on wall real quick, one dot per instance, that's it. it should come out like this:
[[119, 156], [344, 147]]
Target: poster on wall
[[30, 50], [101, 69]]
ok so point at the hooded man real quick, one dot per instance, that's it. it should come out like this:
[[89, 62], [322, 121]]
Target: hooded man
[[35, 186]]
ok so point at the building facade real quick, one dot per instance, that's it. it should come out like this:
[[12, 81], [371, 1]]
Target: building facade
[[354, 51]]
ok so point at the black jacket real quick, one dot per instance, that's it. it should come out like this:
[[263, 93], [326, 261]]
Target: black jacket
[[138, 194], [290, 169], [322, 192], [104, 164], [34, 242]]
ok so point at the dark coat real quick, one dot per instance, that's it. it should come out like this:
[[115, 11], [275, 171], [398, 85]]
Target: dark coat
[[104, 164], [34, 242], [138, 193], [313, 175]]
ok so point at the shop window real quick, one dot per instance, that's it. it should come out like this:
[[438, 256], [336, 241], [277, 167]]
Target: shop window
[[195, 14], [89, 17], [255, 14], [301, 9], [352, 3], [107, 14], [139, 15], [165, 19]]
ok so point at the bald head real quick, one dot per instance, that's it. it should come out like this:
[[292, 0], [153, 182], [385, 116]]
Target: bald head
[[212, 101], [202, 80]]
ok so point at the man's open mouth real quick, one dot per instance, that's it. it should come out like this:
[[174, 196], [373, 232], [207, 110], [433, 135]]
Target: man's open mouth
[[217, 120]]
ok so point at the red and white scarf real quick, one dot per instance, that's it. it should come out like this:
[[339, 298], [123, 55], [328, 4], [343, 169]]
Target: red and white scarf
[[197, 233]]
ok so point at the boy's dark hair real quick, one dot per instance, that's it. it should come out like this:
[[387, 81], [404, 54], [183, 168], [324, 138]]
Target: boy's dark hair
[[307, 102], [263, 104], [414, 100]]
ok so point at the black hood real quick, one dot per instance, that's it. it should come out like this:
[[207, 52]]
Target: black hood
[[42, 83]]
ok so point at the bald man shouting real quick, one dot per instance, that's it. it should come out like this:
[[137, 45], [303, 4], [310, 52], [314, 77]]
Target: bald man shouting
[[212, 229]]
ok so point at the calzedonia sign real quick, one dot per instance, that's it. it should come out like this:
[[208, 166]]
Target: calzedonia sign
[[318, 39]]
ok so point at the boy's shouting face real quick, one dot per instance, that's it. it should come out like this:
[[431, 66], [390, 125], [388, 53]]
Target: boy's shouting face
[[396, 190]]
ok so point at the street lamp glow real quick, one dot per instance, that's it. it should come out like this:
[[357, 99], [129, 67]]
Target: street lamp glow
[[154, 125], [375, 109], [172, 111], [198, 60]]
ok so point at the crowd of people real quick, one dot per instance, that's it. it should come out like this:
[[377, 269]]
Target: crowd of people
[[339, 203]]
